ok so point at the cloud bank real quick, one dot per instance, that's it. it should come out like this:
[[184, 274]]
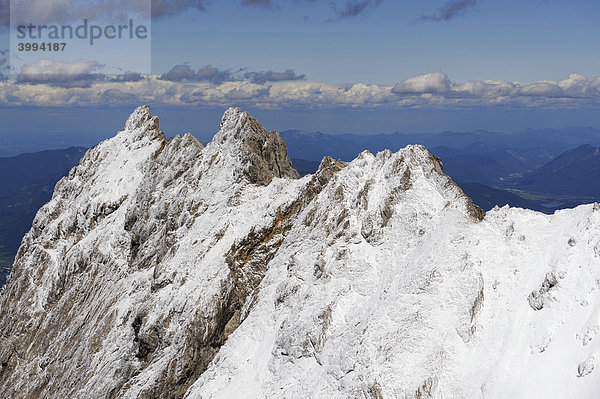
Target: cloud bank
[[79, 84], [184, 73], [435, 82]]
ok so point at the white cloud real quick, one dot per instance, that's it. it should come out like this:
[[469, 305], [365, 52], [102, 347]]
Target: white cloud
[[53, 68], [545, 88], [76, 73], [427, 90], [487, 89], [434, 82], [577, 85]]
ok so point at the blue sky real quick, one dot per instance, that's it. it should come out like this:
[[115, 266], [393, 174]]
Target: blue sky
[[358, 66], [501, 40]]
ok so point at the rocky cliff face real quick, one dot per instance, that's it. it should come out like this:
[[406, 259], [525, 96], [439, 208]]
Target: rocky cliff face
[[168, 269]]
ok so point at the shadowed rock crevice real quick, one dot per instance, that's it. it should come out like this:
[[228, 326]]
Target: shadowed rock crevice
[[538, 299], [249, 258]]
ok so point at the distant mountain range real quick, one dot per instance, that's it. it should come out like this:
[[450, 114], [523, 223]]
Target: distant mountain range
[[489, 165], [543, 169], [315, 145], [572, 173]]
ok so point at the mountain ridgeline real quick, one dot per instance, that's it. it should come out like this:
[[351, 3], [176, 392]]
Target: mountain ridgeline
[[519, 170], [169, 269], [544, 170]]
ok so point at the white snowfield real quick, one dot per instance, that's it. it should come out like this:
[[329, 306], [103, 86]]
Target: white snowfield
[[172, 270]]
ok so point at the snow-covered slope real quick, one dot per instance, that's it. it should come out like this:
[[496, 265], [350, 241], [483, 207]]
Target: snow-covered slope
[[168, 270]]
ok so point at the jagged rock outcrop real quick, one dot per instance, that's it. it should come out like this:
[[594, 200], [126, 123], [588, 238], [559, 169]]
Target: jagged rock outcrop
[[265, 152], [166, 269]]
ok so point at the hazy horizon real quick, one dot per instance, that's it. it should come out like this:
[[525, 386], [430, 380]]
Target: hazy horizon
[[338, 67]]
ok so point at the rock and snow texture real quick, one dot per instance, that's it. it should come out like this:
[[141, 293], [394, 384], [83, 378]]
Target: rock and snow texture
[[165, 269]]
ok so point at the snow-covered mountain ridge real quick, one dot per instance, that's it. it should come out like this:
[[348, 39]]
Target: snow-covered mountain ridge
[[165, 269]]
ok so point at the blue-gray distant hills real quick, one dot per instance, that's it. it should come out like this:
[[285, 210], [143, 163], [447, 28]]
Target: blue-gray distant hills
[[540, 169], [315, 145], [26, 183], [572, 173]]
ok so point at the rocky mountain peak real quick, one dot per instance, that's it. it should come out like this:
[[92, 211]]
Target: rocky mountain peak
[[159, 270], [263, 153], [141, 124]]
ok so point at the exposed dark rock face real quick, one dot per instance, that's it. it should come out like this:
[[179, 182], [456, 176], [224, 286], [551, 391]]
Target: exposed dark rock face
[[538, 299], [264, 152]]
